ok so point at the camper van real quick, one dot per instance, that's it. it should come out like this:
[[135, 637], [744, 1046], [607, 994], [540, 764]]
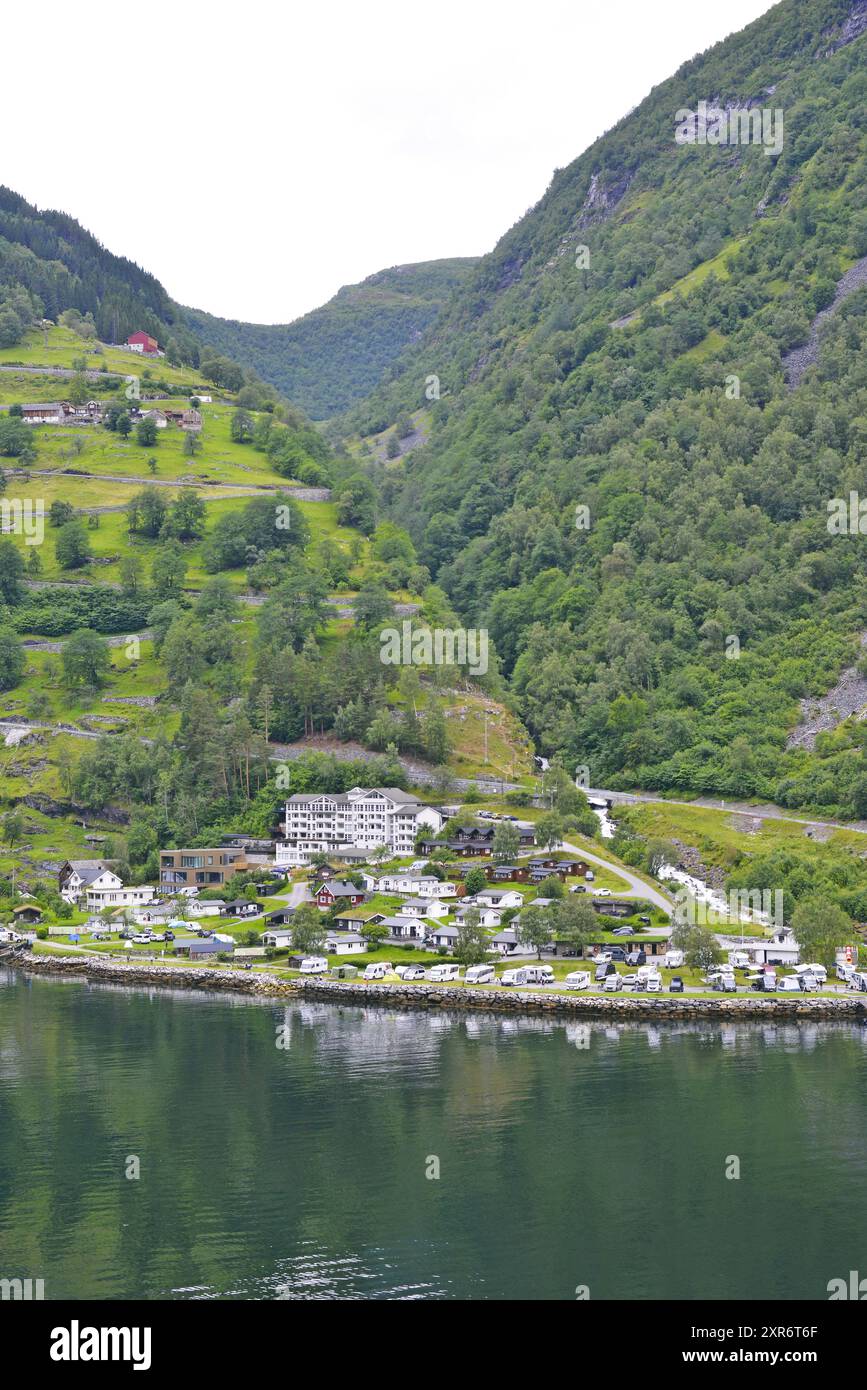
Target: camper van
[[653, 982], [819, 973], [845, 971], [539, 974], [739, 960], [377, 971], [314, 965], [481, 975], [514, 977], [858, 980], [613, 983], [673, 960], [578, 979], [440, 973], [723, 981], [765, 982]]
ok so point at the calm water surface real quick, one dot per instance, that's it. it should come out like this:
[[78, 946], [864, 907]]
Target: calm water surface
[[283, 1152]]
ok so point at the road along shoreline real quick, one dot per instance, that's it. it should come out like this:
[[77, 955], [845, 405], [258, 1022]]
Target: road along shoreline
[[424, 996]]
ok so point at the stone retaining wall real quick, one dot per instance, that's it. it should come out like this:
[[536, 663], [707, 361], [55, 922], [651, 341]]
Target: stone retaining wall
[[423, 997]]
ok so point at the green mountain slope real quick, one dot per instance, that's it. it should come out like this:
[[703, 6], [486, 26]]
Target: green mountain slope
[[335, 355], [617, 478]]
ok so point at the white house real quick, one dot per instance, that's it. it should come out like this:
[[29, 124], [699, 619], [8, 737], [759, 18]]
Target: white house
[[345, 944], [277, 937], [781, 949], [443, 936], [363, 818], [488, 916], [506, 942], [419, 885], [422, 907], [109, 891], [207, 907], [407, 928], [499, 897], [77, 875]]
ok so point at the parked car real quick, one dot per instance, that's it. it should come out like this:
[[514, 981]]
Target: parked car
[[410, 972], [168, 936], [481, 975], [617, 953], [578, 979], [141, 938], [675, 985], [590, 876], [440, 973], [314, 965], [629, 980], [622, 931], [602, 893], [602, 957]]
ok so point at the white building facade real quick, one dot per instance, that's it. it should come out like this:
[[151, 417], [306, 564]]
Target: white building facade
[[360, 819]]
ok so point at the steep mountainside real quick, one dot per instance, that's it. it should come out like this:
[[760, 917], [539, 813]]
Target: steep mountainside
[[335, 355], [618, 479]]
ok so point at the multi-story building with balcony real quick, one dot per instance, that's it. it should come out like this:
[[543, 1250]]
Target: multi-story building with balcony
[[360, 819]]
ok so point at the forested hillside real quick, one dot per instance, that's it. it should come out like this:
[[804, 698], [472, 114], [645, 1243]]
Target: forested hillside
[[335, 355], [618, 478]]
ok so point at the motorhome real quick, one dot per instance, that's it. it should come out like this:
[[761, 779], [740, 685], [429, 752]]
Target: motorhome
[[653, 983], [739, 960], [377, 971], [578, 979], [539, 974], [673, 960], [314, 965], [818, 972], [440, 973], [481, 975], [613, 983], [514, 977]]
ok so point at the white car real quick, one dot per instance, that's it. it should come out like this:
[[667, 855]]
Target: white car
[[602, 892], [142, 938]]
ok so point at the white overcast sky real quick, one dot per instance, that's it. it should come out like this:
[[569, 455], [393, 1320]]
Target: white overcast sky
[[257, 157]]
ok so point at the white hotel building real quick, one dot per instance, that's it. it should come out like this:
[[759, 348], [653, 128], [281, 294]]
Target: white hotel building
[[360, 819]]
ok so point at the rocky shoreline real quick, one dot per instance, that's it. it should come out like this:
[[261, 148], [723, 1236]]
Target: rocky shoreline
[[419, 997]]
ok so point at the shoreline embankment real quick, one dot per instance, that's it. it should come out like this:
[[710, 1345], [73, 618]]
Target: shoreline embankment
[[423, 996]]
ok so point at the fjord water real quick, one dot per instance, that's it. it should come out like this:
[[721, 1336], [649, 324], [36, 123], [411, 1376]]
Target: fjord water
[[568, 1154]]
